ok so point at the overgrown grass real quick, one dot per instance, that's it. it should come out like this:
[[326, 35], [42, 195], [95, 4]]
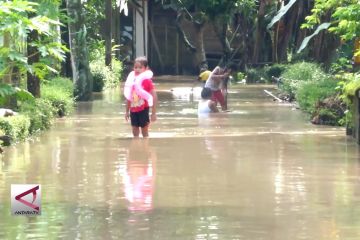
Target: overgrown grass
[[315, 91], [59, 92], [297, 74], [310, 93], [41, 114], [264, 74], [35, 115], [104, 77], [255, 75], [16, 127], [274, 71]]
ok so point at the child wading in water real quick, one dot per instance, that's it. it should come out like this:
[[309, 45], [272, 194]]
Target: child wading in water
[[141, 95], [206, 105]]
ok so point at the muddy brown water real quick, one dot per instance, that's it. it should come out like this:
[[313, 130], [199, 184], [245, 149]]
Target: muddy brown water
[[261, 171]]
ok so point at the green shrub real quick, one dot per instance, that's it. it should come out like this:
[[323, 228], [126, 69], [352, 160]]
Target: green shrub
[[274, 71], [10, 96], [348, 85], [99, 72], [117, 69], [296, 74], [96, 49], [310, 93], [62, 83], [237, 76], [59, 92], [255, 75], [340, 65], [351, 83], [41, 113], [240, 76], [103, 76], [329, 117], [16, 127]]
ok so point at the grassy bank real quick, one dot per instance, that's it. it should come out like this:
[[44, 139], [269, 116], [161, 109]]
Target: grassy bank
[[37, 114], [324, 95]]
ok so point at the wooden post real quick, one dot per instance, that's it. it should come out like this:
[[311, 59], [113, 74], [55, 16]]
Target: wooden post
[[357, 48], [33, 81], [156, 45], [144, 26], [356, 117], [108, 32], [166, 43], [177, 54]]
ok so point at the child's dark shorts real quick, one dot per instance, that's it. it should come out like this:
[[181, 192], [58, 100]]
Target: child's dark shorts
[[140, 119]]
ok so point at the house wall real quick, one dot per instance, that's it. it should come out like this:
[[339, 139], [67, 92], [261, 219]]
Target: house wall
[[176, 58], [141, 33]]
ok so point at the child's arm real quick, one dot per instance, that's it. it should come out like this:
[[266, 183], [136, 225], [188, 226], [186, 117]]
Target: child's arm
[[127, 112], [153, 108], [217, 76]]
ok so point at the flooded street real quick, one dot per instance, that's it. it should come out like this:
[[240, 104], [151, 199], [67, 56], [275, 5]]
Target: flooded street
[[261, 171]]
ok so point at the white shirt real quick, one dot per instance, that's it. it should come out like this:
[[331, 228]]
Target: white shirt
[[203, 107]]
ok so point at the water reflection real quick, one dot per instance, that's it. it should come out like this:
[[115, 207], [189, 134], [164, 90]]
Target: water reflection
[[260, 172], [139, 175], [186, 93]]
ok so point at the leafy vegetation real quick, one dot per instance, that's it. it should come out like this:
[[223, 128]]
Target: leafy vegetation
[[296, 74], [18, 20], [344, 20], [16, 127], [310, 93], [40, 113], [59, 92]]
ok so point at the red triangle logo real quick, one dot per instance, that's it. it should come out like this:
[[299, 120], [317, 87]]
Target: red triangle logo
[[29, 204]]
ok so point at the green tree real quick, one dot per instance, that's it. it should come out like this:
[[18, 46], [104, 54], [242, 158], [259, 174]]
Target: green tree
[[341, 17], [20, 19], [82, 78]]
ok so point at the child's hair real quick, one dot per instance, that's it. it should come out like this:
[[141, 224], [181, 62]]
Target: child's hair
[[206, 93], [203, 66], [142, 60], [203, 70]]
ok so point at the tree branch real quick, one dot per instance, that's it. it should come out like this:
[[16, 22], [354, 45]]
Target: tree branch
[[183, 36]]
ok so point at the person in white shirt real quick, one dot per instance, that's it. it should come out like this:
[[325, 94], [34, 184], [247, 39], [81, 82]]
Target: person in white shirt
[[218, 80], [206, 105]]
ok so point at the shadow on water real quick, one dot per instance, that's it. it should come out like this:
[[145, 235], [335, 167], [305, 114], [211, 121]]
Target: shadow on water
[[259, 172]]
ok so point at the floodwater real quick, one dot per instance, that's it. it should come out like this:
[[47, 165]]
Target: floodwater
[[261, 171]]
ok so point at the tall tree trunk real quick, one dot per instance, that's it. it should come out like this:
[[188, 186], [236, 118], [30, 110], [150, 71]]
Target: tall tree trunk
[[82, 77], [301, 33], [116, 31], [260, 30], [246, 39], [6, 44], [331, 42], [108, 32], [318, 44], [200, 54], [221, 33], [66, 69], [287, 33], [33, 82], [198, 49]]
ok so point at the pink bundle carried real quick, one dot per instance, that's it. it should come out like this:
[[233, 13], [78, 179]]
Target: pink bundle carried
[[134, 83]]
